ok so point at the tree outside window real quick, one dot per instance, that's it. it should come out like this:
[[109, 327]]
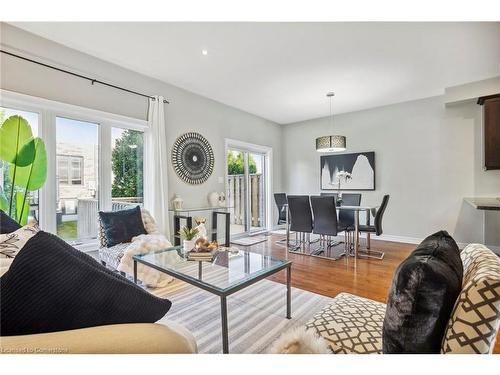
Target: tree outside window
[[127, 163], [235, 164]]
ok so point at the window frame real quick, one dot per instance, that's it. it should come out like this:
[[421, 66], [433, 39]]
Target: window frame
[[48, 111]]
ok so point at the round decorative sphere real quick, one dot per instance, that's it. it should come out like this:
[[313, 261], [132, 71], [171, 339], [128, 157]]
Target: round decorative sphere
[[193, 158]]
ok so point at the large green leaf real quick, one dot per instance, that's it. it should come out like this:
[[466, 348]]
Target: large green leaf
[[22, 208], [26, 154], [16, 141], [34, 175]]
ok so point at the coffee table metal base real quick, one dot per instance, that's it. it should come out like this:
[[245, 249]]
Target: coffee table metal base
[[223, 299]]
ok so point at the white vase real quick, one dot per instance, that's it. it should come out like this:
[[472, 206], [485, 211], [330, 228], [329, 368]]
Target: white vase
[[177, 202], [188, 245], [213, 199]]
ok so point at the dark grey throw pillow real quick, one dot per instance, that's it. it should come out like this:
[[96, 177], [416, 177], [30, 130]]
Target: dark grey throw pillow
[[121, 226], [53, 287], [423, 292], [7, 224]]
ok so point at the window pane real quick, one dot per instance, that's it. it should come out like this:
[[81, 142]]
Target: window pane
[[77, 179], [7, 190], [126, 168], [236, 194], [257, 191], [76, 170], [62, 169]]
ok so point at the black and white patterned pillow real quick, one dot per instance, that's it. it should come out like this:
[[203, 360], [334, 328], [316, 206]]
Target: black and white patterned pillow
[[12, 243], [103, 242], [475, 319]]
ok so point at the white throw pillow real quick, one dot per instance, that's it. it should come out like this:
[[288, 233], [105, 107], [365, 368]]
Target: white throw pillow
[[149, 223], [12, 243]]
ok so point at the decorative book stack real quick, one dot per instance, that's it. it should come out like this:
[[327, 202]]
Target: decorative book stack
[[201, 255]]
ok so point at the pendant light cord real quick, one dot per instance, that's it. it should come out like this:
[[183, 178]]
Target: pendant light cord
[[330, 96], [331, 117]]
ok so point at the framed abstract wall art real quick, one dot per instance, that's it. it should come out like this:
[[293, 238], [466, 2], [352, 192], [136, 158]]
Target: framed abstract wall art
[[354, 171]]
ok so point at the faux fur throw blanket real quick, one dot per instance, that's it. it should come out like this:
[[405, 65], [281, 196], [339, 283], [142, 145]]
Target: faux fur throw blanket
[[143, 244]]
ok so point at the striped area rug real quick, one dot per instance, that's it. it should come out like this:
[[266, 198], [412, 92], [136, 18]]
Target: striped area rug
[[256, 314]]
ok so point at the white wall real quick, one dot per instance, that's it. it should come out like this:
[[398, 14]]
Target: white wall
[[187, 111], [427, 158], [471, 91]]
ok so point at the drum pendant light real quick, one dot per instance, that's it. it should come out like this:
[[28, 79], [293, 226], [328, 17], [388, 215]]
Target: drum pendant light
[[331, 143]]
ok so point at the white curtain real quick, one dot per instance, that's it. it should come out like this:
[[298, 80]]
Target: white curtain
[[156, 198]]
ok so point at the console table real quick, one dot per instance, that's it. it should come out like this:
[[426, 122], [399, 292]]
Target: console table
[[187, 214]]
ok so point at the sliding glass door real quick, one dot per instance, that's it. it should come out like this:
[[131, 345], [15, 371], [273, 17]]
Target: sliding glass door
[[246, 191], [237, 191]]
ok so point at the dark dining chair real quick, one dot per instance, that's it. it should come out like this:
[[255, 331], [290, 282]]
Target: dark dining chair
[[325, 223], [335, 195], [376, 229], [346, 217], [301, 221], [280, 199]]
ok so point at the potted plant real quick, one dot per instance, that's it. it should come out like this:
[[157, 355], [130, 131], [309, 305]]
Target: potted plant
[[342, 175], [189, 236], [25, 159]]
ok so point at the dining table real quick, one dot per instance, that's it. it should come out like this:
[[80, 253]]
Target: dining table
[[356, 209]]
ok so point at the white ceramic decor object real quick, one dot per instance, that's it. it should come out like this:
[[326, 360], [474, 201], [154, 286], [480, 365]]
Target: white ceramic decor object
[[200, 226], [213, 199], [188, 245], [177, 202], [222, 199]]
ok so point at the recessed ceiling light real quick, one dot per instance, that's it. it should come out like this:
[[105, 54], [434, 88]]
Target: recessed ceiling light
[[204, 52]]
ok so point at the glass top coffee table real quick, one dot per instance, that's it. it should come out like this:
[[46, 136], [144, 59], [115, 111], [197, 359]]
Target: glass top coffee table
[[230, 271]]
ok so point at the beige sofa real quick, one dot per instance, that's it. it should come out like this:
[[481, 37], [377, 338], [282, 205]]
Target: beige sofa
[[139, 338]]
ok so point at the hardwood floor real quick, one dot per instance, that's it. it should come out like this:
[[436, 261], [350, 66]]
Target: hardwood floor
[[368, 278]]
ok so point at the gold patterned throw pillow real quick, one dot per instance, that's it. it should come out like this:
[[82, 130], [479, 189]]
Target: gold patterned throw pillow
[[12, 243], [475, 319]]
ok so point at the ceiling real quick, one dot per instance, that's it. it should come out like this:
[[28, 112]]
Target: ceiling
[[282, 71]]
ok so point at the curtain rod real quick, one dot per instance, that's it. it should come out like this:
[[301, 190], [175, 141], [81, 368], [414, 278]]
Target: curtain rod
[[92, 80]]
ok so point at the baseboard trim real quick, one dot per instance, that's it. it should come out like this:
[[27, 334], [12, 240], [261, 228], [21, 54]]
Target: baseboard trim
[[416, 241], [410, 240], [391, 238]]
